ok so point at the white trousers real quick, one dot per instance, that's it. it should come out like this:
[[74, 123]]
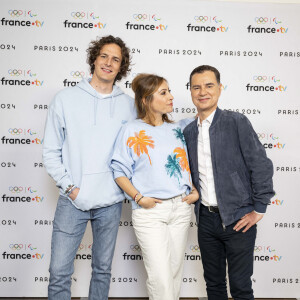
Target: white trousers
[[162, 234]]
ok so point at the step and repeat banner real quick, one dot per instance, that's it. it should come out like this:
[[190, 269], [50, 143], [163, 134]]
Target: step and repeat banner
[[256, 48]]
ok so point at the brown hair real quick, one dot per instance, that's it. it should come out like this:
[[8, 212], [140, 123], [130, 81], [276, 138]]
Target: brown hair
[[144, 86], [94, 50]]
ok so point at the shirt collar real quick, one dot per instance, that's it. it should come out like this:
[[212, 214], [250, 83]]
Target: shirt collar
[[209, 119]]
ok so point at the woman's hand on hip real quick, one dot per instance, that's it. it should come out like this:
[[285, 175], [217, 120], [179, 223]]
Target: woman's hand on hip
[[148, 202], [192, 197]]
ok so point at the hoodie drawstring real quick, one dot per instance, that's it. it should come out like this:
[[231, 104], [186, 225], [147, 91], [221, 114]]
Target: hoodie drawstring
[[112, 103], [95, 108], [85, 86], [112, 106]]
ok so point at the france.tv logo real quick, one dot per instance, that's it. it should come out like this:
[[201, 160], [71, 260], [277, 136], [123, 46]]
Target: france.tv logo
[[207, 24], [144, 21], [76, 77], [262, 23], [82, 19], [22, 18], [18, 193], [21, 77], [22, 136], [266, 253], [270, 141], [264, 83], [277, 202], [22, 251]]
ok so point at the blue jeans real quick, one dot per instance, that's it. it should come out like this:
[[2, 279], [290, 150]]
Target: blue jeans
[[218, 246], [68, 228]]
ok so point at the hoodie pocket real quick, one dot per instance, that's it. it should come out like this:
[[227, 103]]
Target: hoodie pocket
[[98, 190], [239, 186]]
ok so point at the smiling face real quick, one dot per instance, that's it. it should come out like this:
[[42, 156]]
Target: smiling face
[[108, 63], [162, 101], [205, 92]]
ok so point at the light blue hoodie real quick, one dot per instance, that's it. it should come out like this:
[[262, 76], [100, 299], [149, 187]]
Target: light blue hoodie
[[80, 132]]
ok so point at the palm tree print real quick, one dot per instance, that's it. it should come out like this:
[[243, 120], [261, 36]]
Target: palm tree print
[[183, 160], [173, 167], [140, 141], [179, 134]]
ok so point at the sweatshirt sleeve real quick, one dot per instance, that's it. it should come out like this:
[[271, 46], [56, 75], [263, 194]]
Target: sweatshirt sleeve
[[185, 122], [54, 137], [259, 165], [122, 161]]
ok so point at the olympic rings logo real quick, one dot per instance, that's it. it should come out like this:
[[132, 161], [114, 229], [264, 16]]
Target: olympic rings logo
[[202, 19], [195, 248], [15, 131], [78, 15], [140, 17], [82, 246], [16, 246], [77, 74], [257, 248], [266, 135], [260, 78], [15, 12], [261, 135], [15, 72], [260, 248], [135, 248], [261, 20], [15, 189]]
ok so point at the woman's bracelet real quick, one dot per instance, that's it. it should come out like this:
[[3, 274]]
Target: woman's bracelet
[[137, 202], [135, 197]]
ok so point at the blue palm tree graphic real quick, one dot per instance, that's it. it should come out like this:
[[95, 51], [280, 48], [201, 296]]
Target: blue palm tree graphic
[[179, 134], [173, 167]]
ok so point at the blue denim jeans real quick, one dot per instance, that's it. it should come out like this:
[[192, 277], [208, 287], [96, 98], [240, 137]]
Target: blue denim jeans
[[68, 228]]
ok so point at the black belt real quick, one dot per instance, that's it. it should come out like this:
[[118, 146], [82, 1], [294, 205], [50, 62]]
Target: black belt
[[213, 209]]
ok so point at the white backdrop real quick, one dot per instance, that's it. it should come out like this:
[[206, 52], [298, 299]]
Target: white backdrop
[[256, 47]]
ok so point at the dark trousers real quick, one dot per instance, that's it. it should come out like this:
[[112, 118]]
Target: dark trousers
[[218, 245]]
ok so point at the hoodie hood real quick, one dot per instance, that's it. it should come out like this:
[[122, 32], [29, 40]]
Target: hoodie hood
[[85, 85]]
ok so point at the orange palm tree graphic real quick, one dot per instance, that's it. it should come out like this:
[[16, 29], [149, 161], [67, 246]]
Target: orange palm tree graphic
[[181, 154], [140, 142]]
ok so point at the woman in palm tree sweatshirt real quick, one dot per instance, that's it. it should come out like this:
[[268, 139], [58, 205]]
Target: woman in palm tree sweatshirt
[[150, 164]]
